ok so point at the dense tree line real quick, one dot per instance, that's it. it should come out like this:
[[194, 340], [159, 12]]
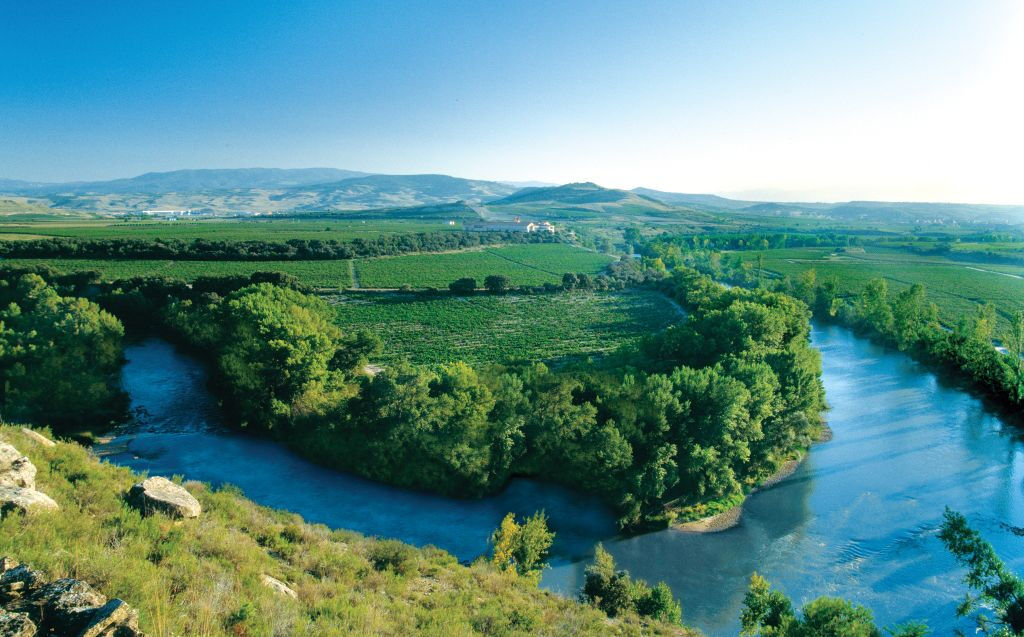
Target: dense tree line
[[258, 250], [702, 412], [905, 319], [699, 413], [60, 358]]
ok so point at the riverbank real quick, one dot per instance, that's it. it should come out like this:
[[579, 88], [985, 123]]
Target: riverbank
[[244, 569], [731, 517]]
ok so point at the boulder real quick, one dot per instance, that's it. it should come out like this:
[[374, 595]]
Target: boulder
[[63, 607], [25, 500], [15, 469], [38, 437], [113, 618], [16, 581], [31, 607], [16, 625], [160, 494], [278, 586]]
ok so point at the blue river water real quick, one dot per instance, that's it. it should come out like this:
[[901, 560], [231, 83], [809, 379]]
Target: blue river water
[[858, 519]]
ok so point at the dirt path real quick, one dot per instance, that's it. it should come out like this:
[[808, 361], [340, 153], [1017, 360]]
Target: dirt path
[[353, 275]]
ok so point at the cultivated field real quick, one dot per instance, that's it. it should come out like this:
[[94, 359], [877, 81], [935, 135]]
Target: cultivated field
[[486, 328], [955, 286], [241, 230], [533, 264], [321, 274]]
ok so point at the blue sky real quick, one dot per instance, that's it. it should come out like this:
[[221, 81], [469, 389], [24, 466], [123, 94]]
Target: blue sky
[[910, 100]]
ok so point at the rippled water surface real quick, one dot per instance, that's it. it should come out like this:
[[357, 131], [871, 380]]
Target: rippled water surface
[[858, 519]]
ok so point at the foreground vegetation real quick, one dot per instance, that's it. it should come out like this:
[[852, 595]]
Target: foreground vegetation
[[204, 577]]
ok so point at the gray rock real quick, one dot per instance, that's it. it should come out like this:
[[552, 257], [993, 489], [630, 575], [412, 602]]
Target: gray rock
[[15, 469], [25, 500], [16, 625], [38, 437], [63, 607], [6, 564], [113, 618], [17, 581], [160, 494], [278, 586]]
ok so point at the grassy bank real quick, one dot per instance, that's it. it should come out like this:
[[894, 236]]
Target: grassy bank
[[204, 576]]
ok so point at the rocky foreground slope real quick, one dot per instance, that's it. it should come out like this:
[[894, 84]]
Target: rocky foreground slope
[[189, 560]]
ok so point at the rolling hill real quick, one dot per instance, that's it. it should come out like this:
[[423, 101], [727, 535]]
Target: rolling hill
[[259, 190], [584, 200]]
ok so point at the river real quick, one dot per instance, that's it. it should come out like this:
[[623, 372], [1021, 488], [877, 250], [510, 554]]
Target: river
[[858, 519]]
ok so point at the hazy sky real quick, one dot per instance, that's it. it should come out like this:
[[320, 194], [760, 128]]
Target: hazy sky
[[818, 100]]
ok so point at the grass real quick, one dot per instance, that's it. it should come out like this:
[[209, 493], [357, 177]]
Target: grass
[[321, 274], [241, 230], [533, 264], [486, 328], [203, 576], [957, 287]]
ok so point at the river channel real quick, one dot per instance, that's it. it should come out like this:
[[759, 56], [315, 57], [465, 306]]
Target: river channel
[[858, 519]]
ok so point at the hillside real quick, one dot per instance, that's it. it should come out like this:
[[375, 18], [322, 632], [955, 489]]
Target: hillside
[[890, 212], [679, 198], [586, 200], [373, 191], [206, 576], [259, 190], [189, 181]]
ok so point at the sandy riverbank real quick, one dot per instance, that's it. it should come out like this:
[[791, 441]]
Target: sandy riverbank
[[728, 519]]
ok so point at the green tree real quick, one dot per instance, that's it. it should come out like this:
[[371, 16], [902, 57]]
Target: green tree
[[769, 613], [465, 285], [873, 307], [497, 283], [522, 547], [1013, 341], [60, 358], [277, 353], [997, 587], [615, 592]]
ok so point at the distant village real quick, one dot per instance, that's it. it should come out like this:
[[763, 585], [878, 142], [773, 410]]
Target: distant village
[[516, 225]]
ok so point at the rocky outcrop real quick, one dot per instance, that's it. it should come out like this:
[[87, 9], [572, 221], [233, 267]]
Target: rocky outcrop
[[38, 437], [160, 494], [16, 625], [32, 607], [18, 483], [278, 586], [15, 469]]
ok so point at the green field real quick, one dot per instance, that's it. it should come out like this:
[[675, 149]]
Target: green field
[[486, 328], [532, 264], [321, 274], [957, 287], [241, 230]]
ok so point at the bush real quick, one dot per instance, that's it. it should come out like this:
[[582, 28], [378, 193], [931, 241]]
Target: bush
[[465, 285]]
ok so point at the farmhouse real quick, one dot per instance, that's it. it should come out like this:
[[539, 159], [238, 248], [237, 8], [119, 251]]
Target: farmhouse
[[509, 226]]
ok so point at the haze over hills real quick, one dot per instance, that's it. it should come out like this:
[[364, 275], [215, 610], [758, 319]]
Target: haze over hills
[[306, 189], [710, 201], [191, 180]]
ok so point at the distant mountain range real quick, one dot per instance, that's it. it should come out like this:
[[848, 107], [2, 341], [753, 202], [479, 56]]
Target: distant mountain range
[[189, 181], [308, 189]]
